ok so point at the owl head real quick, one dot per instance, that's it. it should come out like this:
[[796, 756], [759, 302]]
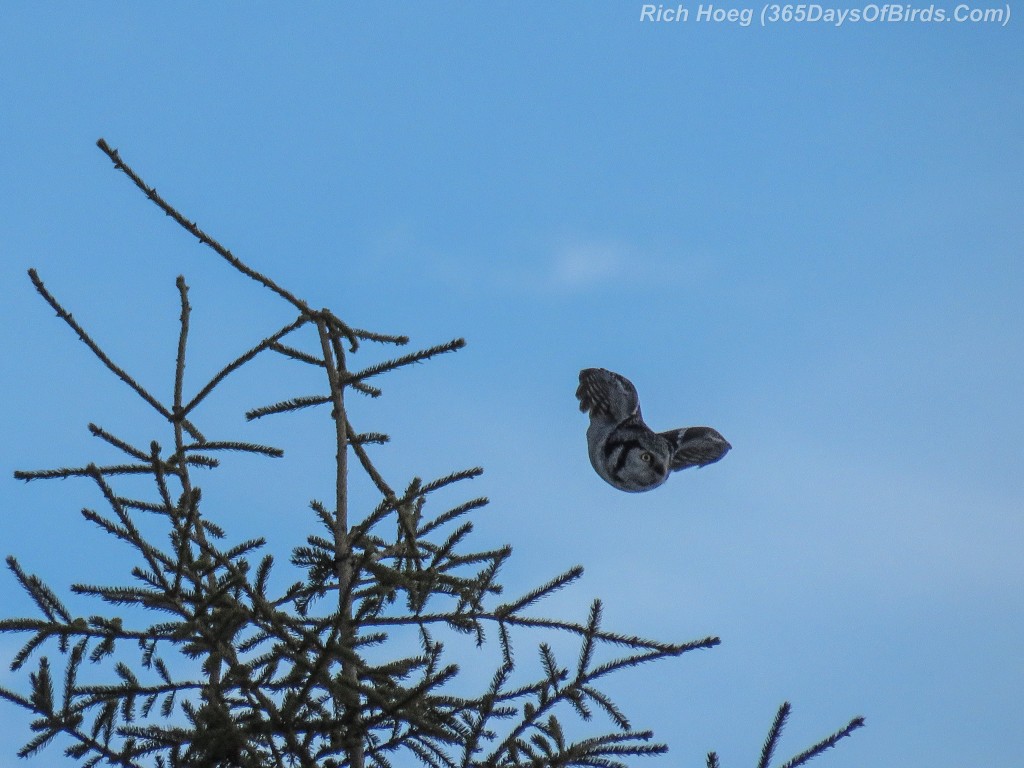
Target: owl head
[[636, 459]]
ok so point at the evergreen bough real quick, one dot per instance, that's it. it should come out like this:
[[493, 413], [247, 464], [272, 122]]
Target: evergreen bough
[[285, 678]]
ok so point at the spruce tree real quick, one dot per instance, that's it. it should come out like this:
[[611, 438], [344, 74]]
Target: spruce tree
[[208, 665]]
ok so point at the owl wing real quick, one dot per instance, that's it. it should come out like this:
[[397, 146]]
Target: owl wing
[[604, 393], [695, 446]]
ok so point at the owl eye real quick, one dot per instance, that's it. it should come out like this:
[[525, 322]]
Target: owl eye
[[646, 456]]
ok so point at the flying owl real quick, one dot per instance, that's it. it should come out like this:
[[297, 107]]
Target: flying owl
[[623, 450]]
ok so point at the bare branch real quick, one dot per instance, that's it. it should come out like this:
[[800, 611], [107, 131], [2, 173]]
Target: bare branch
[[196, 232], [64, 315]]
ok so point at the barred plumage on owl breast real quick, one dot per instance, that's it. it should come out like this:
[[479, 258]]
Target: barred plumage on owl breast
[[627, 453]]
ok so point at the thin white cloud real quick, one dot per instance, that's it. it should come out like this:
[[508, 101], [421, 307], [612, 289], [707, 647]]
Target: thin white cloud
[[588, 264], [596, 264], [566, 265]]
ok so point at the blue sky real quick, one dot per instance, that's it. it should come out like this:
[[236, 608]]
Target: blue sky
[[808, 237]]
